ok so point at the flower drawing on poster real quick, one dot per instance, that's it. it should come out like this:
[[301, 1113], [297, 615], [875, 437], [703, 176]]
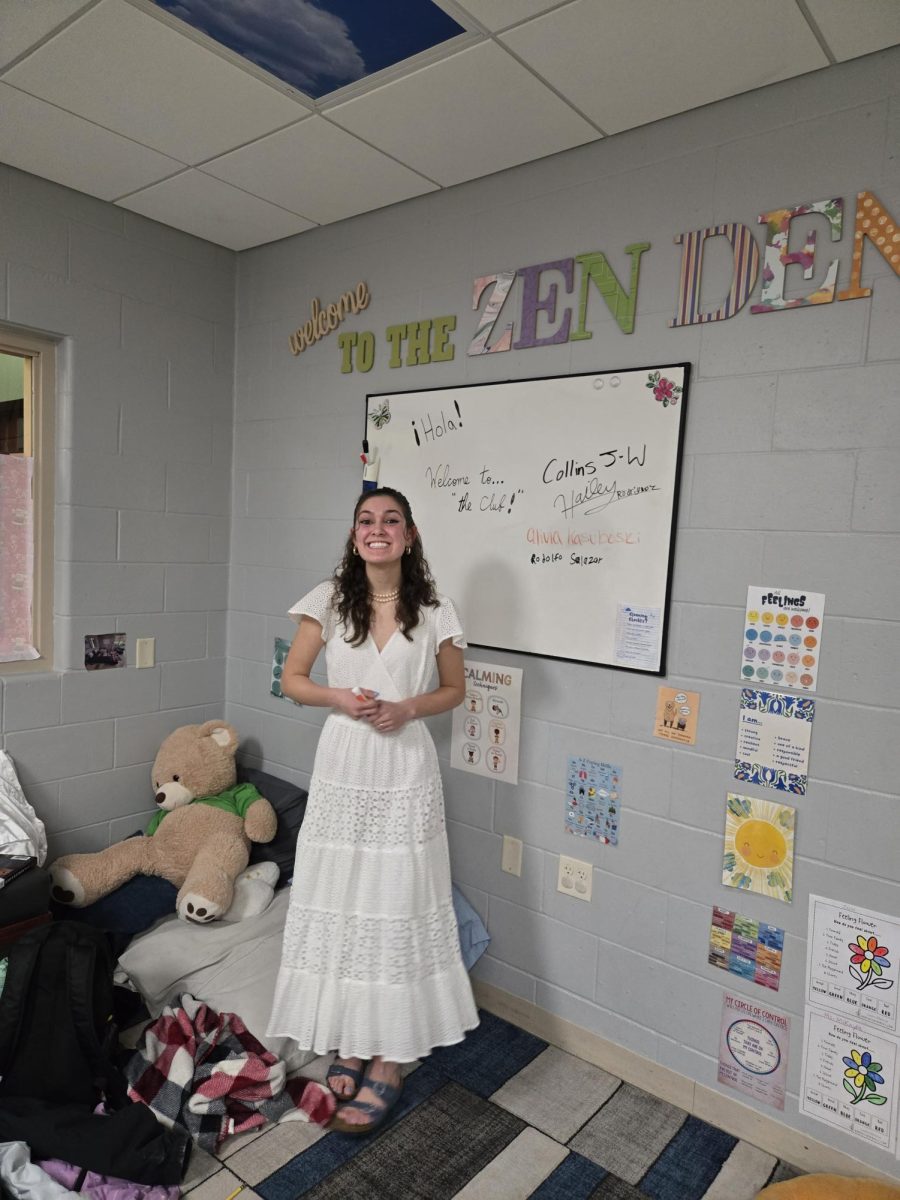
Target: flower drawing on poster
[[862, 1074], [759, 847], [867, 962]]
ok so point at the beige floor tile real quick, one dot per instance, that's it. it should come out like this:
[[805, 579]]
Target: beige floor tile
[[238, 1141], [518, 1170], [744, 1173], [201, 1166], [277, 1146], [556, 1093], [223, 1186]]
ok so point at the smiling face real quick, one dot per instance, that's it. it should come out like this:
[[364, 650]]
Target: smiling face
[[381, 534], [760, 844]]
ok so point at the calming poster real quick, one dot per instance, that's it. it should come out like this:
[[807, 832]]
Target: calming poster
[[485, 735], [774, 735], [782, 637], [759, 846]]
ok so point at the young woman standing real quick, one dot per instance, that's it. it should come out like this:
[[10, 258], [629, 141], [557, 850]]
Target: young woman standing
[[371, 964]]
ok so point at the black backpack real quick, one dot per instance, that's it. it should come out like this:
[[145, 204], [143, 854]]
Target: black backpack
[[58, 1040]]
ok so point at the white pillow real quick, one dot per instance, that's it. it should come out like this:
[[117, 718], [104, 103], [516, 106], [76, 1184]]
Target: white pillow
[[232, 966]]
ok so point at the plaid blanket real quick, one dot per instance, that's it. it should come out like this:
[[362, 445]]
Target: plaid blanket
[[206, 1071]]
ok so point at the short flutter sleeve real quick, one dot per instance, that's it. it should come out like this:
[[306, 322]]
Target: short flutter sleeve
[[318, 604], [448, 624]]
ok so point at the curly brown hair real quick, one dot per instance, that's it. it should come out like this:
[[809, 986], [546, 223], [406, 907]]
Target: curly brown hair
[[351, 586]]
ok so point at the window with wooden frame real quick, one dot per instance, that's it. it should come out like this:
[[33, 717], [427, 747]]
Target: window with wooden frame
[[27, 404]]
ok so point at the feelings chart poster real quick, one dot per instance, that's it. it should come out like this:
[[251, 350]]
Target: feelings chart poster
[[593, 800], [485, 731], [782, 637], [851, 963], [748, 948], [759, 847], [774, 735], [849, 1078], [753, 1049]]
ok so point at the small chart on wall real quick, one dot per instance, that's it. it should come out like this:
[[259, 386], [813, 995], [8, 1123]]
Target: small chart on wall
[[547, 506]]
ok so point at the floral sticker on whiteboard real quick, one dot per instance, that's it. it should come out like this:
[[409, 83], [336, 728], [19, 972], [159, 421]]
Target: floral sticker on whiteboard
[[759, 847], [666, 391]]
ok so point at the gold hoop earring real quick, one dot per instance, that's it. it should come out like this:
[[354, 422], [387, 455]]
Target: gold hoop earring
[[356, 552], [409, 549]]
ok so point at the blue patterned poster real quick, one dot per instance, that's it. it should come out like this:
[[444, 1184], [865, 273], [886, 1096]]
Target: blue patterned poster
[[774, 734], [593, 799]]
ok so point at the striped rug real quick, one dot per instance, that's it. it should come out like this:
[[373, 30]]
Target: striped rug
[[502, 1116]]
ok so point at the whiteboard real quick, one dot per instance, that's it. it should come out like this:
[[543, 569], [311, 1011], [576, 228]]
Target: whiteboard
[[546, 507]]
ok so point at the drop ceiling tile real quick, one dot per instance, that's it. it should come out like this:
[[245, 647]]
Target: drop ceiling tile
[[137, 76], [627, 62], [23, 23], [44, 140], [854, 29], [319, 170], [206, 207], [500, 14], [474, 113]]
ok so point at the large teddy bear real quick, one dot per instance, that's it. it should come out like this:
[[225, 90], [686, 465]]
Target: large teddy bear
[[200, 838]]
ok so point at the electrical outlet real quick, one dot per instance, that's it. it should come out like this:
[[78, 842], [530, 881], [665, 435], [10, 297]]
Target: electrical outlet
[[145, 652], [511, 861], [576, 878]]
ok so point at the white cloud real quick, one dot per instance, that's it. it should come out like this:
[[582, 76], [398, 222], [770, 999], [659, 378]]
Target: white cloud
[[292, 39]]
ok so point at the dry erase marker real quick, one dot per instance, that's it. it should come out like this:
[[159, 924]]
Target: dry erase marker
[[370, 475], [360, 693]]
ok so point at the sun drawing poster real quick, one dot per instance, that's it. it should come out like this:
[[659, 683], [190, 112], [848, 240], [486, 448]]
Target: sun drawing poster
[[759, 846]]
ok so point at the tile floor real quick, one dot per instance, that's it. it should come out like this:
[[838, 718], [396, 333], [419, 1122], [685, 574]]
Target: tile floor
[[503, 1116]]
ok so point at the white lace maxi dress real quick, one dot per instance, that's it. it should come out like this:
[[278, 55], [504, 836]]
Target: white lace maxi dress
[[371, 962]]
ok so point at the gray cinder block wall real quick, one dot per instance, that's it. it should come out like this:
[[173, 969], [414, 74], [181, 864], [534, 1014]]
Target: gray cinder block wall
[[143, 491], [790, 470], [791, 462]]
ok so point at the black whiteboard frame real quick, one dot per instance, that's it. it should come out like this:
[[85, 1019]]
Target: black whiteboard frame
[[660, 672]]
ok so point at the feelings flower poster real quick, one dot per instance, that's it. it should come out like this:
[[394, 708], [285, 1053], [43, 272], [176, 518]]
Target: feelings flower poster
[[759, 846], [849, 1078], [851, 966], [782, 637]]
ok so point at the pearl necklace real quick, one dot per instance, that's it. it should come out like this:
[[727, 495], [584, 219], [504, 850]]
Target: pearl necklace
[[384, 597]]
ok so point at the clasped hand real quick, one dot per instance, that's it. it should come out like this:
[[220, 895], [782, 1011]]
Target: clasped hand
[[386, 716]]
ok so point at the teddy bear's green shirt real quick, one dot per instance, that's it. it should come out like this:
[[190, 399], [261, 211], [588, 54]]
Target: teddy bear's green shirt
[[236, 800]]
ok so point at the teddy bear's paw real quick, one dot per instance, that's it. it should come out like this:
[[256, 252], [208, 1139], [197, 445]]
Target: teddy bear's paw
[[65, 888], [198, 909]]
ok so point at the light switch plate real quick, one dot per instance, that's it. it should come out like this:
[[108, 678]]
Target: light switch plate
[[145, 652], [511, 862]]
